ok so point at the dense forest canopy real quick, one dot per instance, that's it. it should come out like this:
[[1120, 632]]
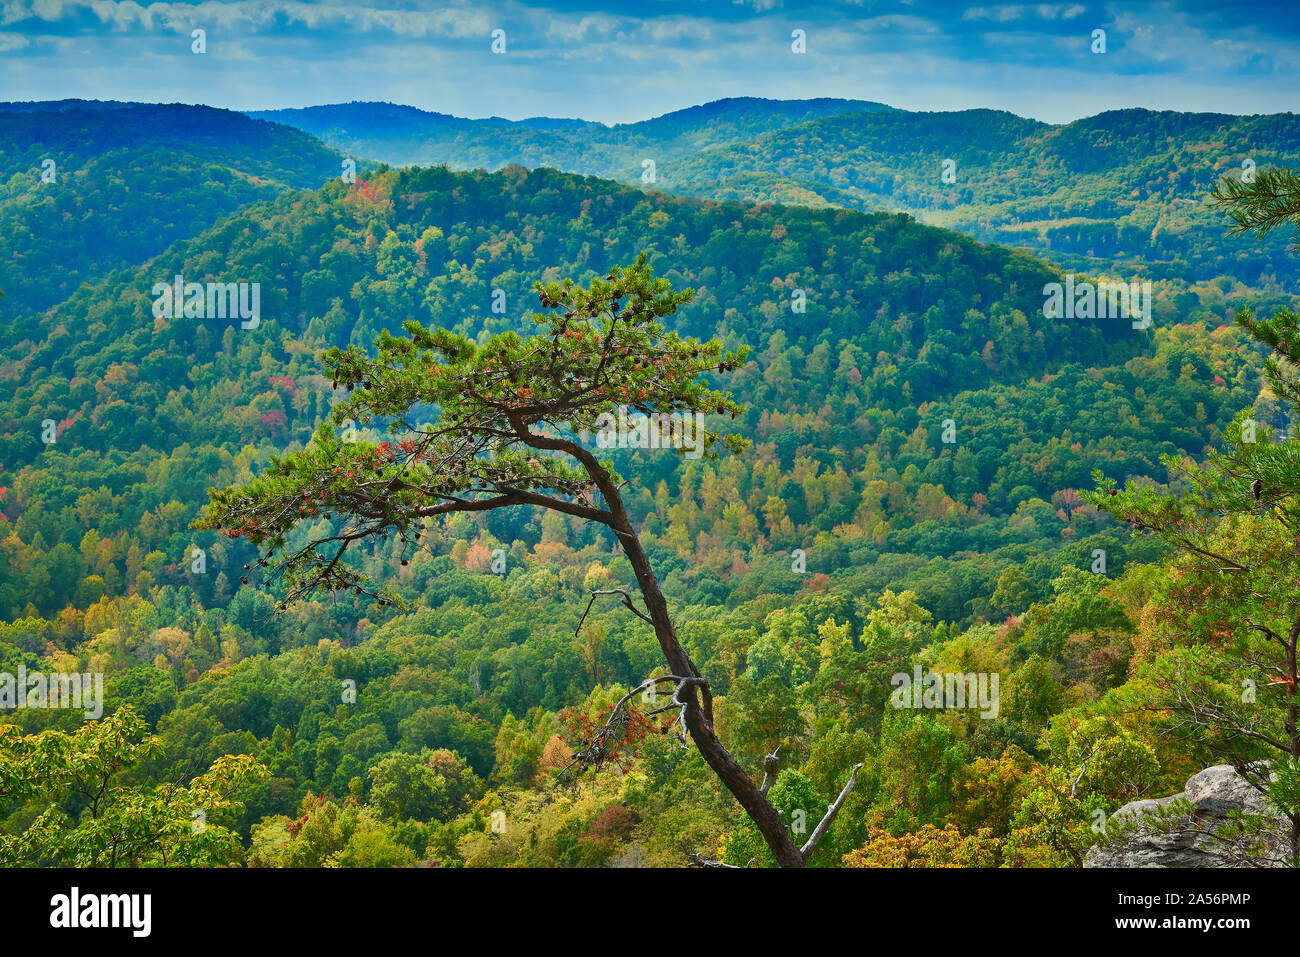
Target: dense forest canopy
[[903, 327], [921, 435], [93, 188]]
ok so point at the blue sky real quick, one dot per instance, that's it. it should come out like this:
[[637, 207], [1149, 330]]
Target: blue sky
[[628, 61]]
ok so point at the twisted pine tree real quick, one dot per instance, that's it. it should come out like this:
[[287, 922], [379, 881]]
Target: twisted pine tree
[[480, 427]]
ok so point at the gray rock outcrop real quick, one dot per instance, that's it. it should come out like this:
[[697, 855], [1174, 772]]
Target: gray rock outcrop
[[1188, 839]]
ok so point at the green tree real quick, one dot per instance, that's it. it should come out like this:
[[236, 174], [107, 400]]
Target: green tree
[[498, 441], [428, 786], [1231, 681], [67, 794]]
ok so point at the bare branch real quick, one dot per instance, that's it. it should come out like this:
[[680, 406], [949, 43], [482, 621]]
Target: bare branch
[[627, 600], [820, 830], [680, 705], [514, 497], [698, 861], [603, 743], [771, 764]]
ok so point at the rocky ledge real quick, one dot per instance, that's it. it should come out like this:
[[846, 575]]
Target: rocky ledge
[[1188, 839]]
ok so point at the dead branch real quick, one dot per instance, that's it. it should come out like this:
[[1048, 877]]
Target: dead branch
[[627, 600], [599, 749], [771, 764], [698, 861], [820, 830]]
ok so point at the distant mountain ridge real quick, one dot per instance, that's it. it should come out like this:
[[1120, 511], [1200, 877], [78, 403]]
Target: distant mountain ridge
[[1123, 191], [407, 136], [58, 106]]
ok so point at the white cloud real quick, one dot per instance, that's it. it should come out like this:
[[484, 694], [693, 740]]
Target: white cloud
[[610, 67], [995, 14]]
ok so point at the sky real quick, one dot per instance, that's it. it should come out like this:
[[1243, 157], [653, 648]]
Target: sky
[[623, 62]]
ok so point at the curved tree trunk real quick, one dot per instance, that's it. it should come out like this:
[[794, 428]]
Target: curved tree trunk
[[699, 718], [698, 714]]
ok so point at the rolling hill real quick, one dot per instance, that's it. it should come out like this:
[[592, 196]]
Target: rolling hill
[[406, 136], [128, 181], [899, 327], [1122, 191]]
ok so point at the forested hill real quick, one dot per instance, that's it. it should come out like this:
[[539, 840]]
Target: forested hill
[[1123, 190], [926, 312], [128, 180], [1126, 188], [58, 106], [406, 136], [870, 331]]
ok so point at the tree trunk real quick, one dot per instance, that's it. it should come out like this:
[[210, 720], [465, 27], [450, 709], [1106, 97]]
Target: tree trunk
[[698, 718], [698, 723], [1293, 736]]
